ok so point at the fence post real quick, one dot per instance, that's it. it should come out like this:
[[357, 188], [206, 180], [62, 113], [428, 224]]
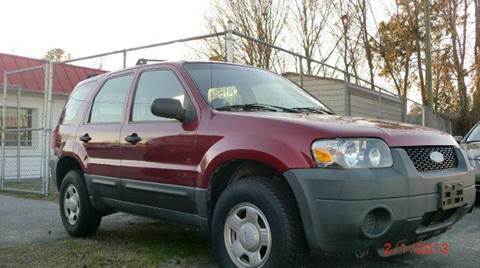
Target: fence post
[[124, 53], [346, 91], [48, 135], [43, 171], [19, 94], [229, 36], [380, 108], [300, 68], [405, 109], [423, 115], [4, 112]]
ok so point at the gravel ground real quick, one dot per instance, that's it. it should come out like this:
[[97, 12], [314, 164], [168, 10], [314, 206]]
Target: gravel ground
[[36, 222], [24, 221]]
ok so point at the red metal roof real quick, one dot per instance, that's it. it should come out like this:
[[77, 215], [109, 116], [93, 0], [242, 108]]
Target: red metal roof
[[65, 76]]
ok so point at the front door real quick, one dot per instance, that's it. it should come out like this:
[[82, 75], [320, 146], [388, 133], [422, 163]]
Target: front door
[[158, 153]]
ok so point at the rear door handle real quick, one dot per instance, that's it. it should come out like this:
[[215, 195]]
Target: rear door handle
[[133, 138], [85, 138]]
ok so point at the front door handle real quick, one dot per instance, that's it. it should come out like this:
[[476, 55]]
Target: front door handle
[[133, 138], [85, 138]]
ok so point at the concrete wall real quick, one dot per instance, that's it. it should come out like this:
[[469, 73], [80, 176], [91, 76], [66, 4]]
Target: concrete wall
[[349, 99], [366, 103], [329, 91]]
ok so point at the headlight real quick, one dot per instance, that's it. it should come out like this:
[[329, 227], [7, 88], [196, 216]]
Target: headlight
[[473, 154], [352, 153]]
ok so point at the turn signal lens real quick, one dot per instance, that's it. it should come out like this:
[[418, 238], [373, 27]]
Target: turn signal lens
[[322, 156]]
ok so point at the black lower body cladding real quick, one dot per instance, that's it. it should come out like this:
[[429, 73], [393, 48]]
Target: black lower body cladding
[[356, 209]]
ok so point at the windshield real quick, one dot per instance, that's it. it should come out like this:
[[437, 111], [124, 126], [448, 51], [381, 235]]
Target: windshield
[[225, 85]]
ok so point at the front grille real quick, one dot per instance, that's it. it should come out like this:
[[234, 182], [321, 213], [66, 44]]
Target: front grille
[[420, 156]]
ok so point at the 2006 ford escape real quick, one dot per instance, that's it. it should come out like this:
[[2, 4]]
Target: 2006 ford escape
[[254, 160]]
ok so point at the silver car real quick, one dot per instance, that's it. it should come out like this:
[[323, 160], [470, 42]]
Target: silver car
[[471, 144]]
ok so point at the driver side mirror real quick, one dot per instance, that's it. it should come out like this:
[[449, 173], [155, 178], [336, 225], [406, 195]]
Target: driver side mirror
[[458, 139], [168, 108]]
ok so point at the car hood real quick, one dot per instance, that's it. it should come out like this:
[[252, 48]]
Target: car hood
[[395, 134]]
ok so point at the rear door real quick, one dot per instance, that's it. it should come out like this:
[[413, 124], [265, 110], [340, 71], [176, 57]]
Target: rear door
[[99, 135], [159, 168]]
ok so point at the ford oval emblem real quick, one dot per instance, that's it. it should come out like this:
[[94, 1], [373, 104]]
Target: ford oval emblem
[[437, 157]]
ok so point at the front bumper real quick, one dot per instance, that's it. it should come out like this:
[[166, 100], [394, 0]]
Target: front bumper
[[334, 203]]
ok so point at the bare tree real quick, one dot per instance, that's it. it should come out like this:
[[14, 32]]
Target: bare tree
[[308, 23], [349, 28], [57, 55], [413, 10], [476, 96], [260, 19], [341, 30], [454, 14], [360, 15]]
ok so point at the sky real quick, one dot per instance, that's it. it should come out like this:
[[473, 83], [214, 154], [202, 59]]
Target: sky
[[82, 28], [30, 28]]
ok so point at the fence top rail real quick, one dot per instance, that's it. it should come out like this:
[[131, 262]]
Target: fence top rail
[[12, 86], [121, 51], [27, 69], [23, 129]]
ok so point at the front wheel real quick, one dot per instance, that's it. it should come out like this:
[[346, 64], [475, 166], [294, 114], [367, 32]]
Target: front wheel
[[78, 216], [256, 224]]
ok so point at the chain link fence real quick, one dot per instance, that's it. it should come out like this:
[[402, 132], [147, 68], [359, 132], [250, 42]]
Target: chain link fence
[[26, 145], [25, 135]]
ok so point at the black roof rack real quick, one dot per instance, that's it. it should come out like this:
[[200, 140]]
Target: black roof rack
[[91, 75], [143, 61]]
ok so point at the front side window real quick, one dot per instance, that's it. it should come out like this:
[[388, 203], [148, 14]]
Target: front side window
[[109, 103], [20, 120], [224, 85], [156, 84]]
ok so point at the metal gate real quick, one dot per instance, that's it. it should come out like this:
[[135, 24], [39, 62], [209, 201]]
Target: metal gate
[[25, 133]]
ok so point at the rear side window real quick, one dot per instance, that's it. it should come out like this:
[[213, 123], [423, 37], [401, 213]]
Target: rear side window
[[157, 84], [109, 103], [76, 100]]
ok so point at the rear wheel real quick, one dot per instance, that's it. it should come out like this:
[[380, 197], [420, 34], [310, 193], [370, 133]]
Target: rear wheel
[[78, 216], [256, 224]]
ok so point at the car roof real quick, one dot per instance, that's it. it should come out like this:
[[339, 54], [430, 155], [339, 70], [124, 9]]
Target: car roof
[[178, 63]]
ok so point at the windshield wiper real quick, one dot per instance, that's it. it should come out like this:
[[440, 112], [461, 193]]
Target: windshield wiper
[[251, 106], [313, 110]]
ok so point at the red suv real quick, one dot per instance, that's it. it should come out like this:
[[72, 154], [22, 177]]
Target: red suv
[[254, 160]]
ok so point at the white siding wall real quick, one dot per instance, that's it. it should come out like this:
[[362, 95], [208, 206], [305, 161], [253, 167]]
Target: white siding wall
[[30, 160]]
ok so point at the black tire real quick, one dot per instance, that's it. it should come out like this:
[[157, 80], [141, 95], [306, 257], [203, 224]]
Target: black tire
[[277, 204], [87, 221]]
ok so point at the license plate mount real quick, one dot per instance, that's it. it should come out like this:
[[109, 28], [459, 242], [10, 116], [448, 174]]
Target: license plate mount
[[451, 195]]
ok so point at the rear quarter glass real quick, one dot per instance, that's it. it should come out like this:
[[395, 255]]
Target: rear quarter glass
[[76, 100]]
